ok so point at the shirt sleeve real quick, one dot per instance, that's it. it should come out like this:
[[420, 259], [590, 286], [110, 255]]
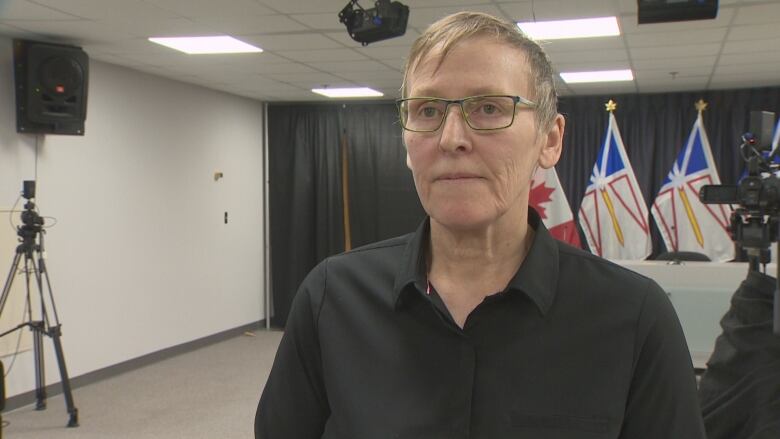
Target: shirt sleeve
[[662, 400], [294, 403]]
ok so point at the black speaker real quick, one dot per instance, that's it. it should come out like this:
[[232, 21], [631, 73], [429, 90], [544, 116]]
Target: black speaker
[[51, 88], [662, 11]]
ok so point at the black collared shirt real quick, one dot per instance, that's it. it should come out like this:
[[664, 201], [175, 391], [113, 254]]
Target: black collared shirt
[[574, 347]]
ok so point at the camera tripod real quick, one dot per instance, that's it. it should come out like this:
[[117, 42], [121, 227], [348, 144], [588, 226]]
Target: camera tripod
[[31, 249]]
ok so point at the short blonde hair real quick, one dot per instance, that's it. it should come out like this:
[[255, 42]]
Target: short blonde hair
[[445, 33]]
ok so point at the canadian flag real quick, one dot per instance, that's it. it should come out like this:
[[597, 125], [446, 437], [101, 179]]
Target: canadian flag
[[548, 199]]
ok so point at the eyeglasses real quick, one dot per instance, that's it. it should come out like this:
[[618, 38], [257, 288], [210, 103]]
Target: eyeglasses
[[481, 113]]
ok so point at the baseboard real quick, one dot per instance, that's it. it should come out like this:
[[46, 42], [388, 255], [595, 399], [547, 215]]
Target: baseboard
[[27, 398]]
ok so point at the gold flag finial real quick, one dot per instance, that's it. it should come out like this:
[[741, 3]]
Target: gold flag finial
[[701, 105], [611, 105]]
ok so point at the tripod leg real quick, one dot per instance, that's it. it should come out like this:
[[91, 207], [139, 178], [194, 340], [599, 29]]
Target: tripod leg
[[55, 333], [40, 379], [9, 281]]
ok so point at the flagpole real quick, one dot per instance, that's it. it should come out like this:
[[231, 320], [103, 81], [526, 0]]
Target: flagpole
[[611, 106]]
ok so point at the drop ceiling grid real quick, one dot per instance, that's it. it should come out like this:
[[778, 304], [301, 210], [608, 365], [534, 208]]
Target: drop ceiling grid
[[305, 44]]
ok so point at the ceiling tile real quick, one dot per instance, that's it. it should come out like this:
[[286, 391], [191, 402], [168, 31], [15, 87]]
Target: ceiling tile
[[315, 77], [77, 32], [672, 76], [739, 80], [24, 10], [404, 40], [216, 61], [766, 75], [307, 6], [292, 41], [160, 27], [687, 84], [323, 55], [209, 8], [337, 83], [627, 7], [286, 67], [559, 9], [393, 55], [578, 45], [746, 46], [12, 31], [374, 76], [618, 56], [753, 32], [674, 63], [246, 24], [423, 17], [747, 58], [752, 69], [757, 14], [380, 83], [674, 51], [374, 67], [614, 88], [517, 11], [124, 9], [135, 45], [328, 21], [688, 37]]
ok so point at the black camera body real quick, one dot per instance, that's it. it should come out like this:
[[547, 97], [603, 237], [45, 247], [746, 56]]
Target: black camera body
[[32, 222]]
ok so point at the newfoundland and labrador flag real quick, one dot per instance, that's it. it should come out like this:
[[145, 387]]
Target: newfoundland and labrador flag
[[613, 213], [548, 199], [686, 224]]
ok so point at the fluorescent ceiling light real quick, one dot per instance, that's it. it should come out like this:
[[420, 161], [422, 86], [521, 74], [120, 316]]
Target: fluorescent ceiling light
[[203, 45], [581, 28], [356, 92], [601, 76]]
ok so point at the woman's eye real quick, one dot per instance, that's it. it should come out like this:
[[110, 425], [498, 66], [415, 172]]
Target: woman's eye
[[429, 111], [489, 109]]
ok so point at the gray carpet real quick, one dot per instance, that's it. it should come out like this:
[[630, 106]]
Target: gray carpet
[[208, 393]]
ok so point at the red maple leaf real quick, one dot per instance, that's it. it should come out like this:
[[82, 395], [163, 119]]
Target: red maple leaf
[[540, 194]]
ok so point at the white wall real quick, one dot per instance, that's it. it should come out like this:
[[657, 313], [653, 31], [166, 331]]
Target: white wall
[[140, 258]]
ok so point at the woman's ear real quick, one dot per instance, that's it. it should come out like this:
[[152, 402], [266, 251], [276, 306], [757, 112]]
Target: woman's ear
[[553, 143]]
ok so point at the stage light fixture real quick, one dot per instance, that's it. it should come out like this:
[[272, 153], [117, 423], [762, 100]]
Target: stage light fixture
[[384, 21]]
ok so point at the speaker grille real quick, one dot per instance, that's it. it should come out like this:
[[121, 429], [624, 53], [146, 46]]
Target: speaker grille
[[51, 87]]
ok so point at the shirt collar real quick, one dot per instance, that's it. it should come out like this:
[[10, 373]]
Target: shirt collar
[[537, 276]]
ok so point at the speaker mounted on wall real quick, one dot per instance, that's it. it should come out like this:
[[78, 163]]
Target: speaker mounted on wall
[[51, 88]]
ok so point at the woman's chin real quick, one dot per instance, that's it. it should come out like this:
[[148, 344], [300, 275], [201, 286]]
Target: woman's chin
[[463, 219]]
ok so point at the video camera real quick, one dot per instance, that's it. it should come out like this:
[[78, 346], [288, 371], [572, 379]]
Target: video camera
[[756, 219], [32, 222], [754, 223]]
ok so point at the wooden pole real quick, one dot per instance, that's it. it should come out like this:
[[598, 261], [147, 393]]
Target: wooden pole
[[345, 192]]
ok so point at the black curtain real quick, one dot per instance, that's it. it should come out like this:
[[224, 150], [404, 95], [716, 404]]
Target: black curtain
[[305, 166], [306, 203], [383, 201], [305, 196]]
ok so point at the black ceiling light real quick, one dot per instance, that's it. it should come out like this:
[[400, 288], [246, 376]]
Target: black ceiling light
[[663, 11], [385, 20]]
